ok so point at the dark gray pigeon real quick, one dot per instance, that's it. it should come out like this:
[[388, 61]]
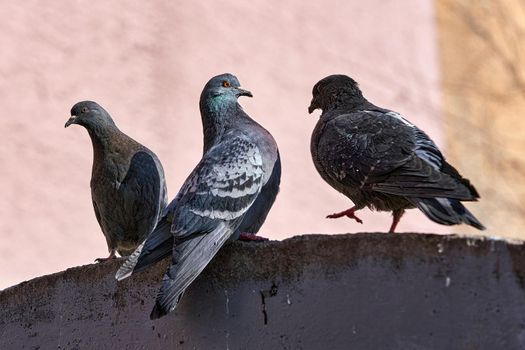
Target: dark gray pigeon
[[229, 192], [381, 161], [127, 181]]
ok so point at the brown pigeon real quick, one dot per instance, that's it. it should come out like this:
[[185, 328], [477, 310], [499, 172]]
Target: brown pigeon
[[128, 188], [381, 161]]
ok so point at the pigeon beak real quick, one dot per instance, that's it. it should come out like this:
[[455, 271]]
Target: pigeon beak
[[242, 92], [71, 120], [312, 107]]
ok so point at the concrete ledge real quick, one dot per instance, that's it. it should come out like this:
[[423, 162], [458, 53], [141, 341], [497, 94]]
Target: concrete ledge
[[360, 291]]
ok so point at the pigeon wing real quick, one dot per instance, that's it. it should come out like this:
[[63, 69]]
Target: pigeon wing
[[143, 191], [222, 187], [379, 150], [214, 199]]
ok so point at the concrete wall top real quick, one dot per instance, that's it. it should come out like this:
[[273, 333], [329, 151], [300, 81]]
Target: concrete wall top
[[362, 291]]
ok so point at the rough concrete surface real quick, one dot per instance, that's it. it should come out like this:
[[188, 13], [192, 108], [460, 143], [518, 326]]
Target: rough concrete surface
[[360, 291]]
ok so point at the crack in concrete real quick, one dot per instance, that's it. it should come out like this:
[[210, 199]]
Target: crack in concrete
[[267, 294]]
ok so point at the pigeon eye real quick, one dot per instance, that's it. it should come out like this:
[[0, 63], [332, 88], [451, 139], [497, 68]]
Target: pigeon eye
[[226, 83], [84, 110]]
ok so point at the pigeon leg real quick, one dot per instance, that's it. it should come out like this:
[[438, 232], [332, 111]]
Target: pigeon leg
[[397, 214], [349, 213], [110, 257], [251, 237]]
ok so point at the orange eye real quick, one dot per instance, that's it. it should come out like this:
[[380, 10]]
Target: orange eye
[[226, 83]]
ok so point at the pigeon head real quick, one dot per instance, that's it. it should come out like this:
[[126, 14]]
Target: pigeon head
[[221, 91], [333, 91], [90, 115]]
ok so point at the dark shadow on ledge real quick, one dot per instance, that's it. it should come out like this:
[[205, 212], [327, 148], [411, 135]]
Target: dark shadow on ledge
[[359, 291]]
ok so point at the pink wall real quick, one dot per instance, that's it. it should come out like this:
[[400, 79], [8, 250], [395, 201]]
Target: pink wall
[[146, 62]]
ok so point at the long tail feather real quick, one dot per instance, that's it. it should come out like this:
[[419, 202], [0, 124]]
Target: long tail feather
[[189, 259], [447, 211], [157, 246]]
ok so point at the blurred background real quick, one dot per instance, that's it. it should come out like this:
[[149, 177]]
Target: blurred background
[[453, 68]]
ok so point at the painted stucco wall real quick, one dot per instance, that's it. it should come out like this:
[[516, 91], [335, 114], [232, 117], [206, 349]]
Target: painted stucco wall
[[147, 61]]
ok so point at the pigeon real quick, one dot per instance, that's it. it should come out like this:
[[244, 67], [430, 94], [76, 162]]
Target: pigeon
[[230, 191], [380, 160], [128, 188]]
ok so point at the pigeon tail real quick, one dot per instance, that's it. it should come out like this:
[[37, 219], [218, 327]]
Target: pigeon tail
[[157, 246], [446, 211], [189, 259]]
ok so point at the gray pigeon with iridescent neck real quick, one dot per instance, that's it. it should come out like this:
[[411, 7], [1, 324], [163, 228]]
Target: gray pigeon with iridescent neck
[[128, 189], [381, 161], [229, 192]]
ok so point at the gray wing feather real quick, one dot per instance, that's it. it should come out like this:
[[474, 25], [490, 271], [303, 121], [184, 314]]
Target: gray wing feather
[[214, 199], [156, 247], [189, 259], [255, 217], [222, 187]]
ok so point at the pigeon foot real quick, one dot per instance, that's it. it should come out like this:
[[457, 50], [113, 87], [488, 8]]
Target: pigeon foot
[[397, 217], [110, 257], [348, 213]]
